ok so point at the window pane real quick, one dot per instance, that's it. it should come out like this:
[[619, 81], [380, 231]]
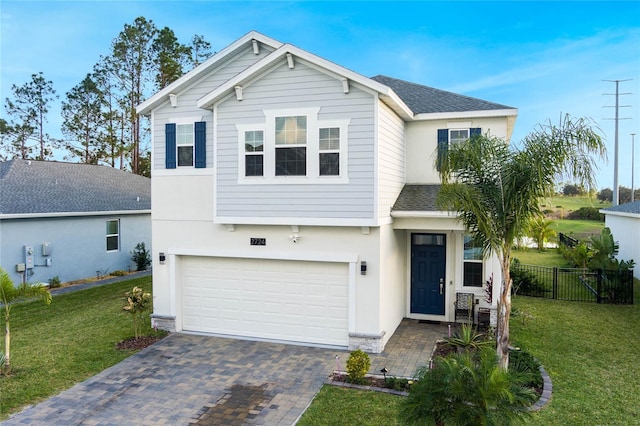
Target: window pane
[[112, 243], [472, 274], [253, 141], [291, 130], [291, 161], [458, 135], [472, 249], [112, 227], [185, 156], [184, 134], [253, 165], [329, 164], [330, 138], [428, 240]]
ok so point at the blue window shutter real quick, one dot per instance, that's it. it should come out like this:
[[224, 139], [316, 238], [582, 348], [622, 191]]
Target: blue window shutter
[[443, 146], [170, 145], [201, 144], [476, 131]]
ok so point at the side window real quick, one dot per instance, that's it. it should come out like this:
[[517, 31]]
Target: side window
[[113, 235], [459, 135], [184, 143], [329, 151], [447, 136], [472, 274], [254, 153], [291, 149]]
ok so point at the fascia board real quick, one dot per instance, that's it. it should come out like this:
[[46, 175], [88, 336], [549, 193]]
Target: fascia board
[[72, 214], [423, 214], [620, 214], [145, 107], [386, 92], [512, 112]]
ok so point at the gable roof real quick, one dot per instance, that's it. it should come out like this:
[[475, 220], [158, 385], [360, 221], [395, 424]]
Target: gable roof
[[408, 100], [49, 188]]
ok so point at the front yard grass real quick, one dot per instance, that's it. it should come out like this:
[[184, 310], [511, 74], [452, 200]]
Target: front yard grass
[[54, 347]]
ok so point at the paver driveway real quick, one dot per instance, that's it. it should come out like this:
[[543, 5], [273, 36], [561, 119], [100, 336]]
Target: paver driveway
[[188, 379]]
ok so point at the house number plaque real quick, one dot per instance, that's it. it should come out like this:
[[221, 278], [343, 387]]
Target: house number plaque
[[258, 241]]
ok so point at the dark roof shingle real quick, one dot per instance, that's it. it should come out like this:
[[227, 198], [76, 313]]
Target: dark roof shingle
[[32, 187], [424, 99], [414, 198]]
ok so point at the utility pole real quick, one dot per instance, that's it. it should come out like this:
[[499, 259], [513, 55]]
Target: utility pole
[[633, 161], [616, 188]]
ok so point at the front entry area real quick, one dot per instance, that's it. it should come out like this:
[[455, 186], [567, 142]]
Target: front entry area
[[428, 263]]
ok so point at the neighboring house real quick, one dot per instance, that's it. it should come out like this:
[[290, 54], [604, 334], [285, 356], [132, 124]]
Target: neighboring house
[[294, 199], [69, 220], [624, 222]]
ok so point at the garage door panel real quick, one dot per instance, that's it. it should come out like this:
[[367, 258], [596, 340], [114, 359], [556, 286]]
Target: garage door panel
[[271, 299]]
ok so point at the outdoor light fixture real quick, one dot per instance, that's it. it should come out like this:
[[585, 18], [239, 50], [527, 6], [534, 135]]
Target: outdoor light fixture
[[384, 372], [363, 268], [162, 258]]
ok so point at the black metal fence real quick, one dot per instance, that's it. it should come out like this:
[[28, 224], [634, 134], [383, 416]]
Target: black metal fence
[[581, 285]]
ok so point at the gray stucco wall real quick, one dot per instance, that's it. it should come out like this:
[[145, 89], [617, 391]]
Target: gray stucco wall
[[77, 245]]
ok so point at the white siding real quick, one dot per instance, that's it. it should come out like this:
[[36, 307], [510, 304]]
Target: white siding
[[188, 98], [626, 231], [391, 159], [422, 138], [301, 87]]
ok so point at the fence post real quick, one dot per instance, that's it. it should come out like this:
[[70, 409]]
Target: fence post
[[599, 289], [555, 282]]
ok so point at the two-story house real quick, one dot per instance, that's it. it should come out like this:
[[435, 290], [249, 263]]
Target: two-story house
[[294, 199]]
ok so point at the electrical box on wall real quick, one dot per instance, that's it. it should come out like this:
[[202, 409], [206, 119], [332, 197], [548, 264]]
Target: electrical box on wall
[[46, 249], [28, 257], [20, 267]]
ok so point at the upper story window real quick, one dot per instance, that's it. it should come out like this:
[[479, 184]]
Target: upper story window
[[329, 148], [447, 136], [458, 135], [113, 235], [293, 146], [473, 262], [184, 143], [254, 153]]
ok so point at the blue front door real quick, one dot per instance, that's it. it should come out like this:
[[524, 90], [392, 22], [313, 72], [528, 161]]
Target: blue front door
[[427, 273]]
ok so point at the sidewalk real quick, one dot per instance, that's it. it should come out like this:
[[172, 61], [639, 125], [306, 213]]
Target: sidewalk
[[82, 286]]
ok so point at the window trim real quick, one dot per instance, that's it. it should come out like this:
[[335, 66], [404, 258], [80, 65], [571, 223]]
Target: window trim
[[251, 153], [312, 176], [107, 236]]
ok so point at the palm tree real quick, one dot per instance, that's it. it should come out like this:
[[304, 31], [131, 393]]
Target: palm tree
[[467, 389], [496, 190], [9, 294], [540, 229]]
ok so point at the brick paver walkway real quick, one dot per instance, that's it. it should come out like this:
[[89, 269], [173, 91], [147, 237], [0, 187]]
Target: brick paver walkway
[[201, 380]]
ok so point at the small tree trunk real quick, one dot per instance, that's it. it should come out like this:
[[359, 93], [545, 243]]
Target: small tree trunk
[[504, 313], [7, 345]]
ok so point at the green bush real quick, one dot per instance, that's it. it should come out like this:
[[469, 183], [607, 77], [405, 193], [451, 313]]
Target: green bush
[[467, 339], [396, 383], [587, 213], [358, 365], [119, 273], [525, 282], [138, 303], [54, 282], [522, 362], [141, 257]]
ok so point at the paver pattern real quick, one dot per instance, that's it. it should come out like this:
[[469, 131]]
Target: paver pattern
[[189, 379]]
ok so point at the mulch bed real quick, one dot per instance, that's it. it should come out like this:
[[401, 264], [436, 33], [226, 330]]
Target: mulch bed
[[137, 343]]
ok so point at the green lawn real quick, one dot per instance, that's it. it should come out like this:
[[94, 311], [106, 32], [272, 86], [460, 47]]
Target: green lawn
[[54, 347], [546, 257], [577, 227], [573, 203]]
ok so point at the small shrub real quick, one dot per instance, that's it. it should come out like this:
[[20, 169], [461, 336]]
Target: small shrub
[[119, 273], [138, 303], [396, 383], [587, 213], [358, 365], [141, 257], [525, 282], [467, 339], [54, 282], [522, 362]]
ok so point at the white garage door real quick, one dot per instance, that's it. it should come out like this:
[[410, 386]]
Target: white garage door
[[270, 299]]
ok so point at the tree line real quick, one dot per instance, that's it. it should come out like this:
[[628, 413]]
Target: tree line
[[604, 195], [100, 124]]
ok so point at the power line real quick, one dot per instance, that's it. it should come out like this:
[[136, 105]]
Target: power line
[[616, 189]]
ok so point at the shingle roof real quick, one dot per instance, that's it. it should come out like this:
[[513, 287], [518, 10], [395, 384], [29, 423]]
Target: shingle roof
[[424, 99], [31, 187], [414, 198], [625, 208]]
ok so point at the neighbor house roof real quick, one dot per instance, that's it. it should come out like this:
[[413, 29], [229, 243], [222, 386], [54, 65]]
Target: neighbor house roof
[[49, 188], [627, 209]]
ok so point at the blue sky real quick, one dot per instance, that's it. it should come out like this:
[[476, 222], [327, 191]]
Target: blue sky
[[544, 58]]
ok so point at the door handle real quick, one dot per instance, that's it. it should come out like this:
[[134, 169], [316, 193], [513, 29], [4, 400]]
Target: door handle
[[441, 285]]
